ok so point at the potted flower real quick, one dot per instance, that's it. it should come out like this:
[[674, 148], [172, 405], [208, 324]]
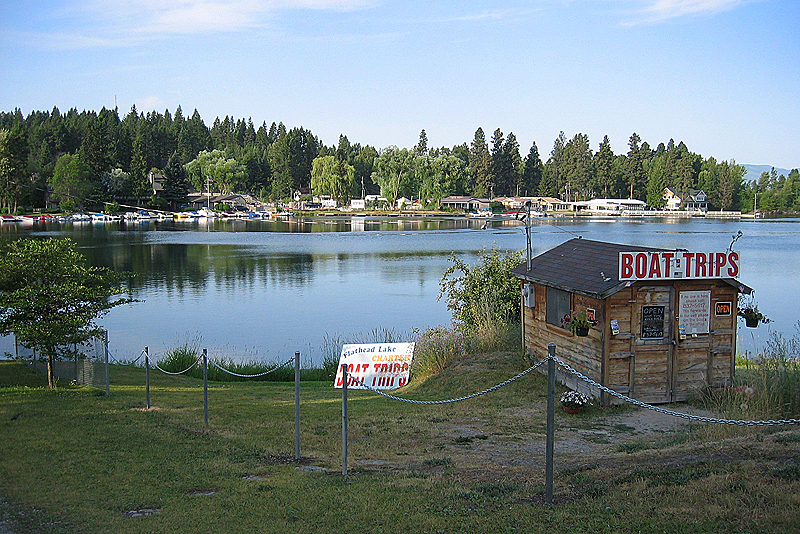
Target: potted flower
[[578, 323], [573, 402], [748, 308]]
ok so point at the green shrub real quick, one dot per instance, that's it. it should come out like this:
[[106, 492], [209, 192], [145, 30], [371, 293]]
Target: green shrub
[[485, 296]]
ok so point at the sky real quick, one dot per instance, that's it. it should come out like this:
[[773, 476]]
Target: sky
[[719, 75]]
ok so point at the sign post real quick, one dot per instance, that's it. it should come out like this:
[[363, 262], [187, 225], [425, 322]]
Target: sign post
[[344, 420]]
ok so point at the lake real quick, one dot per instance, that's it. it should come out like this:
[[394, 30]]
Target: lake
[[261, 290]]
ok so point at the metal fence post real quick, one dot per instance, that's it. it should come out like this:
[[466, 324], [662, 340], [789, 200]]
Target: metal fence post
[[297, 405], [205, 389], [344, 420], [105, 354], [551, 414], [147, 377]]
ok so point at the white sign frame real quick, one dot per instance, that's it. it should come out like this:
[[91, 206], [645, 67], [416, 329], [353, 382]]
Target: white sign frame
[[694, 312], [376, 365]]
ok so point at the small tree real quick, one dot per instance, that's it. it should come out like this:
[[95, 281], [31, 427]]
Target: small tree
[[485, 295], [49, 297]]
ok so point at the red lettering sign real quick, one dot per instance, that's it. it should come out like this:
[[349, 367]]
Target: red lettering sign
[[671, 265]]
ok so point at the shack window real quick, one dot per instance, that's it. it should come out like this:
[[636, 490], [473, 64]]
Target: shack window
[[558, 305]]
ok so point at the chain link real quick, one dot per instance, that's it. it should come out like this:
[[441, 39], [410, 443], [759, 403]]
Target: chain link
[[215, 364], [448, 401], [591, 382], [155, 364], [671, 412]]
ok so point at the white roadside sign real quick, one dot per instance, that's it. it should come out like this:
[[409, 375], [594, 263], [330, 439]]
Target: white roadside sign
[[377, 365]]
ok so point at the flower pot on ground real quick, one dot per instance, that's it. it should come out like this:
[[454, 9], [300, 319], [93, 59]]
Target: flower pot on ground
[[574, 402]]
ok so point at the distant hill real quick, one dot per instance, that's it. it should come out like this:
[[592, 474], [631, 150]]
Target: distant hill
[[754, 171]]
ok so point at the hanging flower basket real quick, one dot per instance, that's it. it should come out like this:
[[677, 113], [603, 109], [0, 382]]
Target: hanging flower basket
[[748, 309], [578, 322]]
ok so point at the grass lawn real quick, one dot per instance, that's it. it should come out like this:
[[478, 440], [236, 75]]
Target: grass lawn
[[74, 460]]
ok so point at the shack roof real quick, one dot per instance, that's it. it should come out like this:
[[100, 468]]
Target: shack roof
[[586, 267]]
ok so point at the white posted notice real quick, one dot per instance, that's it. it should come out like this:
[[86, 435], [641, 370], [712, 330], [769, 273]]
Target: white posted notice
[[695, 312], [377, 365]]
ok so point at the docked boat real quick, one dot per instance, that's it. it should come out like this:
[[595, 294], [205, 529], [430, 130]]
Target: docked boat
[[138, 216], [484, 214], [207, 213], [185, 215], [79, 218], [105, 218]]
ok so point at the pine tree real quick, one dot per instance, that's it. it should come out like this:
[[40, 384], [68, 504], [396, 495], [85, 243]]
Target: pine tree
[[532, 172], [422, 145], [479, 164], [604, 168], [634, 171], [176, 182]]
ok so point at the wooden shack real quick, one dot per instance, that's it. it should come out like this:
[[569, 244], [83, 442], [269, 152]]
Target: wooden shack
[[665, 321]]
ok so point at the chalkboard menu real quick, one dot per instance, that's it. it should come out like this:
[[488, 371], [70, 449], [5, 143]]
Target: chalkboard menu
[[652, 322]]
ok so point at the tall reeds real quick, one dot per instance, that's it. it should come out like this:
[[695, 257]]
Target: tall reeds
[[767, 385]]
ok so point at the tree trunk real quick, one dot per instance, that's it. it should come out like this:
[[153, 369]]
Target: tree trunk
[[50, 380]]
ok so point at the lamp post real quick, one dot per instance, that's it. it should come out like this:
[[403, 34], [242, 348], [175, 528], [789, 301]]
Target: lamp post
[[528, 232]]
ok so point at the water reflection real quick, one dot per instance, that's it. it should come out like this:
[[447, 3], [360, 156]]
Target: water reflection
[[263, 289]]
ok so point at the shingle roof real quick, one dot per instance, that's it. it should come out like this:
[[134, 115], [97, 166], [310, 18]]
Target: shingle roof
[[581, 266]]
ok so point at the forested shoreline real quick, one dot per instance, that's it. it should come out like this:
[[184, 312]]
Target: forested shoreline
[[88, 158]]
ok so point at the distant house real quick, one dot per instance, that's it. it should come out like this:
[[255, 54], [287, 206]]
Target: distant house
[[510, 203], [550, 204], [696, 200], [465, 203], [672, 199], [609, 206], [229, 201], [156, 181]]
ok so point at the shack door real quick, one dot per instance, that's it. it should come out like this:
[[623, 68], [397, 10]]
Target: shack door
[[651, 325]]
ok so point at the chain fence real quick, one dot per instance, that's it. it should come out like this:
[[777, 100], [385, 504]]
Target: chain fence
[[156, 366], [672, 413], [449, 401], [218, 366], [590, 382]]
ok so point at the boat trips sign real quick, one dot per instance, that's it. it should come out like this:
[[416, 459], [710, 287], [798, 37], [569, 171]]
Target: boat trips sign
[[377, 365], [677, 265]]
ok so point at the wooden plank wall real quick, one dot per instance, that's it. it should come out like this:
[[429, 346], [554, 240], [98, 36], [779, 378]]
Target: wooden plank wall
[[619, 366], [706, 360], [635, 367], [584, 354]]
